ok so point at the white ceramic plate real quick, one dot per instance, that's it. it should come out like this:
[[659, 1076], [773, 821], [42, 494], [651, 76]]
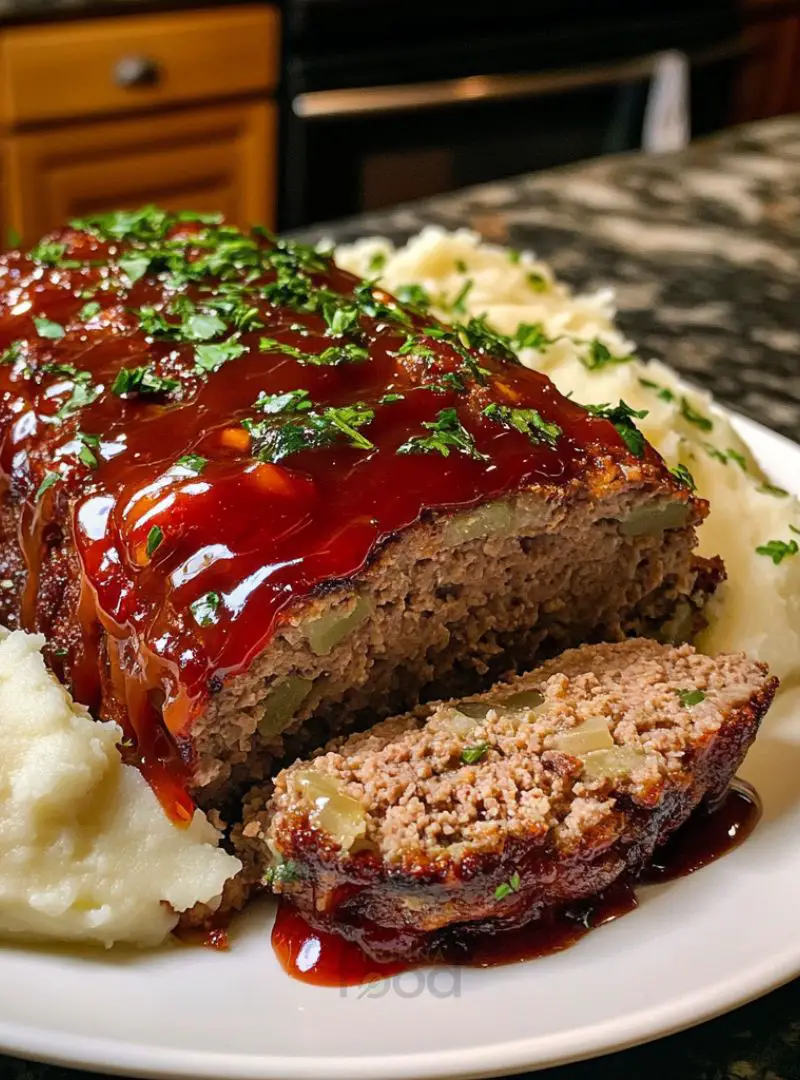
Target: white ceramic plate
[[693, 949]]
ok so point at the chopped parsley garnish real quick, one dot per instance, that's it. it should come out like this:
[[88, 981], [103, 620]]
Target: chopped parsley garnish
[[48, 252], [478, 335], [134, 265], [662, 392], [683, 476], [690, 698], [274, 440], [203, 327], [622, 417], [459, 304], [416, 346], [773, 489], [142, 380], [205, 608], [12, 353], [89, 444], [600, 356], [193, 462], [149, 224], [211, 358], [48, 481], [415, 296], [391, 399], [470, 755], [531, 336], [537, 282], [364, 295], [88, 311], [446, 433], [514, 256], [734, 455], [83, 394], [461, 266], [527, 421], [513, 885], [154, 540], [377, 261], [333, 356], [688, 412], [341, 320], [291, 401], [778, 550], [283, 873], [46, 328]]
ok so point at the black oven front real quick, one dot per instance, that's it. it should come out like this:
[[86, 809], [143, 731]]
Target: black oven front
[[376, 120]]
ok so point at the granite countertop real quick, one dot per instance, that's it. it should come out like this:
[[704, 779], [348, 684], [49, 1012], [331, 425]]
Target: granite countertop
[[703, 248]]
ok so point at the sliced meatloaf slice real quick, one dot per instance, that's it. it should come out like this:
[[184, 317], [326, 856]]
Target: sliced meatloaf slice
[[489, 810]]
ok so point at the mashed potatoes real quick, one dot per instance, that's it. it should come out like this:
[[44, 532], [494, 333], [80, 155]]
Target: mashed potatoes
[[86, 852], [574, 340]]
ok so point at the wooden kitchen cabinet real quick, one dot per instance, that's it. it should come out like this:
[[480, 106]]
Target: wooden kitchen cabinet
[[769, 83], [220, 159], [174, 108]]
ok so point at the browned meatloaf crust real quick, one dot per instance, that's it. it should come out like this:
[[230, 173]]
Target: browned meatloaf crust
[[217, 557], [539, 793]]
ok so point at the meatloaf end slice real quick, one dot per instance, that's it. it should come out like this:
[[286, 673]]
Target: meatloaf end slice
[[490, 810]]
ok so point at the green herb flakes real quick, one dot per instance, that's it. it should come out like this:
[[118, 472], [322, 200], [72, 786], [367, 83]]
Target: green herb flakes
[[778, 550], [291, 401], [193, 462], [622, 417], [683, 476], [142, 380], [531, 336], [459, 304], [446, 433], [690, 698], [88, 311], [471, 755], [773, 489], [527, 421], [688, 412], [134, 265], [46, 328], [599, 356], [662, 392], [205, 609], [513, 885], [210, 358], [50, 478], [276, 438], [154, 540]]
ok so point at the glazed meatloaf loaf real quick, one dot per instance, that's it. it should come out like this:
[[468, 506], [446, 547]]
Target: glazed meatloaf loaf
[[247, 496], [534, 795]]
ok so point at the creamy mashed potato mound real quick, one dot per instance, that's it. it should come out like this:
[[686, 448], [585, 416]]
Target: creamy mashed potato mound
[[573, 339], [86, 852]]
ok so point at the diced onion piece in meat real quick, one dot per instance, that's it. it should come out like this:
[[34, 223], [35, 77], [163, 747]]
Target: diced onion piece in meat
[[612, 764], [592, 734], [342, 817], [680, 627], [283, 700], [325, 633], [477, 524], [654, 518], [523, 700]]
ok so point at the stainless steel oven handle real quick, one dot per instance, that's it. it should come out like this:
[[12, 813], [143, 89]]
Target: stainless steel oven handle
[[332, 104]]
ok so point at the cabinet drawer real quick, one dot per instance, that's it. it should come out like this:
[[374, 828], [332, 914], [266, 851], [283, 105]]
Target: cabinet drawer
[[106, 66]]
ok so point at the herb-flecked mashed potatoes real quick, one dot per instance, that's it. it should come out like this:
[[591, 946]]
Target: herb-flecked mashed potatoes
[[86, 851], [754, 526]]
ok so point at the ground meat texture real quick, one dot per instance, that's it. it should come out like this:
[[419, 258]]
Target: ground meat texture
[[487, 811]]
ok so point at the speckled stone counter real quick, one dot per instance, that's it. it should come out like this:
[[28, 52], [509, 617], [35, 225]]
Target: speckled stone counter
[[704, 251], [702, 247]]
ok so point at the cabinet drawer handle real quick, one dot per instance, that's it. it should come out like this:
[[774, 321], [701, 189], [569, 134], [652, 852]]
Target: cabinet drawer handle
[[136, 71]]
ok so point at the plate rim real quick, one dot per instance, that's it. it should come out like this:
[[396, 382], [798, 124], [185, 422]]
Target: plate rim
[[534, 1053]]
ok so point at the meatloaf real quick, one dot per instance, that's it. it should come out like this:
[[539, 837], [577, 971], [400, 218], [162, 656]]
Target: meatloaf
[[487, 811], [249, 498]]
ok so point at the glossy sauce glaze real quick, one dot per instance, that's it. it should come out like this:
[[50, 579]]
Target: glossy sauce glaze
[[314, 956], [217, 425]]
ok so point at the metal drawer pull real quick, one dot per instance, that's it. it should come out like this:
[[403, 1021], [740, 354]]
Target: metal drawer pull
[[379, 99], [136, 71]]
